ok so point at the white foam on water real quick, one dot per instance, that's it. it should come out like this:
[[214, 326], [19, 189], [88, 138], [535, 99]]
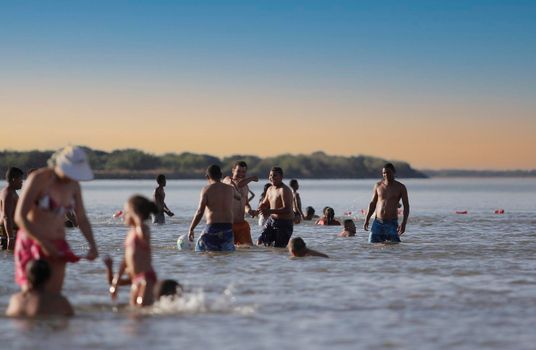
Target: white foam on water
[[197, 302]]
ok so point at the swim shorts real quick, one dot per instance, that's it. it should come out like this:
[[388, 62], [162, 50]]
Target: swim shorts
[[242, 233], [216, 237], [384, 230], [145, 277], [159, 218], [3, 237], [276, 232], [26, 250]]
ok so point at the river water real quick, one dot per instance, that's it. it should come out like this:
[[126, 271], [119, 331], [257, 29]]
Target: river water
[[456, 281]]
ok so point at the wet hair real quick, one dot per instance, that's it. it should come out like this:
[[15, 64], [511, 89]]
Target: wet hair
[[330, 213], [390, 166], [240, 163], [309, 211], [160, 178], [293, 183], [277, 169], [348, 222], [214, 172], [38, 272], [13, 173], [142, 206], [297, 244], [167, 288]]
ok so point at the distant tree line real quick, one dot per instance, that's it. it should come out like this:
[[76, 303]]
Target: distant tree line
[[133, 163]]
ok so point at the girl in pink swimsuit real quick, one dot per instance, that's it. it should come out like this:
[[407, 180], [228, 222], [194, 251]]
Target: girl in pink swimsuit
[[137, 261], [45, 198]]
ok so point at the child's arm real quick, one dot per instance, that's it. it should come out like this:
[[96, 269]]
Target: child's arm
[[118, 280]]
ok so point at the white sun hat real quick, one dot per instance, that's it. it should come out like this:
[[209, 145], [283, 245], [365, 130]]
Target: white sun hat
[[72, 161]]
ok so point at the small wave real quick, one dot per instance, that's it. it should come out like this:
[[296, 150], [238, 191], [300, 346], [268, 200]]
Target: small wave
[[196, 302]]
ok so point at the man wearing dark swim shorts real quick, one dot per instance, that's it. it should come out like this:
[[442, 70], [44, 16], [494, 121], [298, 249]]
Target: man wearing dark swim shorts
[[386, 197], [276, 232], [277, 206]]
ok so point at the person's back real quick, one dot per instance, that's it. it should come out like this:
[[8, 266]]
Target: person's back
[[219, 203], [36, 301], [32, 304], [216, 203]]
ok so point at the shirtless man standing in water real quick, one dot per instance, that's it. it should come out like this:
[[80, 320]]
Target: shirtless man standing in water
[[385, 198], [217, 204], [277, 206], [239, 181]]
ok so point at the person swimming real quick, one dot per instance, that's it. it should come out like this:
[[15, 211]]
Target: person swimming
[[349, 229], [36, 301], [328, 218], [310, 214], [298, 249]]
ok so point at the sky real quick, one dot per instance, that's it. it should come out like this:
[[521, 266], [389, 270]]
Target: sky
[[439, 84]]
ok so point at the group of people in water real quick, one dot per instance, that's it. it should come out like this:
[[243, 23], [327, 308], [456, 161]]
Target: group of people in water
[[52, 194]]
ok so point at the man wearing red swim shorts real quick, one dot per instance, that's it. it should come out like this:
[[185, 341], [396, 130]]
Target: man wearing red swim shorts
[[239, 181]]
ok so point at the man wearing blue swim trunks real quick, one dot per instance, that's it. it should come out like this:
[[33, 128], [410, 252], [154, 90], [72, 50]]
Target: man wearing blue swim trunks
[[277, 207], [217, 198], [386, 197]]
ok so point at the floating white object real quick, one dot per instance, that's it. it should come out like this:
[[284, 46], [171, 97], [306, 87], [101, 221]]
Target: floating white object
[[183, 243]]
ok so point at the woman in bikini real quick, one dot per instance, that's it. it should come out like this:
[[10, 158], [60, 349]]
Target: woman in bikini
[[47, 195], [137, 261]]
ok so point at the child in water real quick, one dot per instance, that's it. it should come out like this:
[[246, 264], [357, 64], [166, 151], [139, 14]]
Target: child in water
[[328, 218], [263, 219], [137, 259], [349, 228], [298, 249], [36, 301], [296, 205]]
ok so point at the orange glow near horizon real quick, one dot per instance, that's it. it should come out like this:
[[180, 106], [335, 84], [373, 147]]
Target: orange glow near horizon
[[434, 135]]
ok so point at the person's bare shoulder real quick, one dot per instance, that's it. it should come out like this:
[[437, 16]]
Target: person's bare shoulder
[[286, 189], [400, 185], [4, 193], [227, 180], [13, 309], [229, 188], [63, 306]]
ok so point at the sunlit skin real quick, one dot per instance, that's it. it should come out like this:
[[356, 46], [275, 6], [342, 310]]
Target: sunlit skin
[[278, 200], [240, 182], [385, 198], [349, 229], [8, 203], [216, 202], [44, 226], [137, 260]]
